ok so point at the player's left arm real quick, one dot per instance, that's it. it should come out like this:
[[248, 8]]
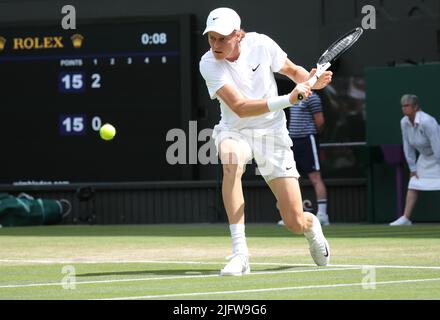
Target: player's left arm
[[298, 74]]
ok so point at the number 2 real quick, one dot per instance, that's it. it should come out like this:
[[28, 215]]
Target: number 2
[[96, 80]]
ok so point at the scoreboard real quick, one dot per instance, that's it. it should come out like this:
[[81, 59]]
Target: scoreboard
[[57, 87]]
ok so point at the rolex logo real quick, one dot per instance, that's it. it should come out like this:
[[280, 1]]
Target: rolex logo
[[37, 43], [77, 40], [2, 43]]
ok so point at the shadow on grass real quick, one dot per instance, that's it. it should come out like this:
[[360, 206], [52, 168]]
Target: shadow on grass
[[174, 272]]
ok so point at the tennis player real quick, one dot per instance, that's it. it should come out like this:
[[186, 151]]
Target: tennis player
[[239, 72]]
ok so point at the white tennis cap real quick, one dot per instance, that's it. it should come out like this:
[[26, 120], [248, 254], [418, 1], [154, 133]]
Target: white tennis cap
[[223, 21]]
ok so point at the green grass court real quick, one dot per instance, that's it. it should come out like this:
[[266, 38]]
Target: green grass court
[[182, 262]]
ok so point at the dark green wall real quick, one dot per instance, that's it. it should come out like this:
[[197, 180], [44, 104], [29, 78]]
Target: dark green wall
[[385, 86]]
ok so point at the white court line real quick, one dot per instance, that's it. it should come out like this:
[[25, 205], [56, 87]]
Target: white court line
[[329, 268], [386, 267], [192, 294], [168, 278]]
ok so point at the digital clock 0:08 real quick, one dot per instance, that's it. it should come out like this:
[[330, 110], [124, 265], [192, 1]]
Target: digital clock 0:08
[[155, 38]]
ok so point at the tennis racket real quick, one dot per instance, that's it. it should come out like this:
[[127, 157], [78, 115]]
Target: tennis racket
[[333, 52]]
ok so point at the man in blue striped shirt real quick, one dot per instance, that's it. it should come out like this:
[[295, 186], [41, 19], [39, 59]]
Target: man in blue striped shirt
[[306, 121]]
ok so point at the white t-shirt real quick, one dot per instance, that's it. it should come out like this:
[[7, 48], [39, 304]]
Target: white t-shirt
[[251, 75]]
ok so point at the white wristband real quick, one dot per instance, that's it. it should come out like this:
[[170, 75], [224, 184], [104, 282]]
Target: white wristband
[[278, 103]]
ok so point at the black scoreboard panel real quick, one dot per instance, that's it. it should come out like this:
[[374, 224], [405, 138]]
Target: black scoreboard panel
[[57, 87]]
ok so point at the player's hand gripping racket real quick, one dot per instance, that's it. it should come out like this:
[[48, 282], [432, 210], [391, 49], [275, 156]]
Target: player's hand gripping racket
[[334, 52]]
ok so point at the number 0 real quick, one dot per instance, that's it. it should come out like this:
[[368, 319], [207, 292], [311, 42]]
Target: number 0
[[96, 123]]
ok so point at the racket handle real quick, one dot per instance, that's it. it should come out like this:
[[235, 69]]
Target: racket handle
[[320, 70], [312, 82]]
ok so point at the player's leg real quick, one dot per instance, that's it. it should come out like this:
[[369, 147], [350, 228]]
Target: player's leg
[[232, 159], [288, 194], [289, 202], [276, 163], [234, 155], [298, 149], [411, 199]]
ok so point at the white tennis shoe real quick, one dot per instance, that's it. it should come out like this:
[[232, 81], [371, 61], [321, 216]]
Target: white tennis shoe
[[237, 266], [402, 221], [318, 244]]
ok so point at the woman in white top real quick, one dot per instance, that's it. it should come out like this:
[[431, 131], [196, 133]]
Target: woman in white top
[[421, 133], [238, 70]]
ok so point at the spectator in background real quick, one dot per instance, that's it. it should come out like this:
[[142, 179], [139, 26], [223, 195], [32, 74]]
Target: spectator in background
[[306, 122], [421, 133]]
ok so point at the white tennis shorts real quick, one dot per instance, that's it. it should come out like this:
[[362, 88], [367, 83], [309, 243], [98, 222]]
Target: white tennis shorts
[[271, 150]]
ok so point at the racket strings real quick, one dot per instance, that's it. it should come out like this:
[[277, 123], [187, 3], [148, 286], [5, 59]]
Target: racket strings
[[339, 47]]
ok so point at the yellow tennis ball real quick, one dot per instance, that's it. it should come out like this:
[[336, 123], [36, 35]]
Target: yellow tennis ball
[[107, 131]]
